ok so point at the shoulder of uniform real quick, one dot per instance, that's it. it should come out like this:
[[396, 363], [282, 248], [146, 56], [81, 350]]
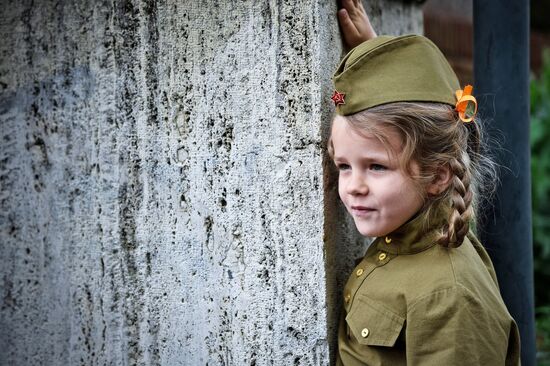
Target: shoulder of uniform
[[471, 264], [450, 296]]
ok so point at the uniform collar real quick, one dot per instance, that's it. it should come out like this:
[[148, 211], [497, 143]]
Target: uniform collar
[[414, 236]]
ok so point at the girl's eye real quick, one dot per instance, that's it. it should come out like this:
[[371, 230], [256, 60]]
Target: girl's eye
[[377, 167], [343, 166]]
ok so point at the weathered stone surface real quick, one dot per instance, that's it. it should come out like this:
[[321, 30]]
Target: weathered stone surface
[[165, 198]]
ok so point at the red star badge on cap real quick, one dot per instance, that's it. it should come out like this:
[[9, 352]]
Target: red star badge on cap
[[338, 98]]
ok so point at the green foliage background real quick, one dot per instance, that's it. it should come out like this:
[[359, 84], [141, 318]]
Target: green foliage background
[[540, 176]]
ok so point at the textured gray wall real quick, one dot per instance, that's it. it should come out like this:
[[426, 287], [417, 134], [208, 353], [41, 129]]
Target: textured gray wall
[[165, 198]]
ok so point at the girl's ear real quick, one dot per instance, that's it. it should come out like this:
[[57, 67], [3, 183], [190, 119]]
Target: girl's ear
[[442, 179]]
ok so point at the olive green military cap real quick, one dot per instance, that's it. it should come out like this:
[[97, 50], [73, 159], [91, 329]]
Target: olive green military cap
[[389, 69]]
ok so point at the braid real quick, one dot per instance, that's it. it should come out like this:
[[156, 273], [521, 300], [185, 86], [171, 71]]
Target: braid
[[461, 198]]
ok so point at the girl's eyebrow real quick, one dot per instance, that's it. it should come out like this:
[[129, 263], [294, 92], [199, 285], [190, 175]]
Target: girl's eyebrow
[[377, 157]]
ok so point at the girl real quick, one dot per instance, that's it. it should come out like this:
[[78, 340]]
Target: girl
[[407, 149]]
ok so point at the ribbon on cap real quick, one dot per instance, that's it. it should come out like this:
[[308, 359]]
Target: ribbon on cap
[[464, 102]]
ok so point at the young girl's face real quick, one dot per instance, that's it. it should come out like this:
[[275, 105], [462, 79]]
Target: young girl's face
[[375, 190]]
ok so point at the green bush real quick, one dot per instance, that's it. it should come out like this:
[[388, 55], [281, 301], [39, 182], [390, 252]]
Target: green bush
[[540, 176]]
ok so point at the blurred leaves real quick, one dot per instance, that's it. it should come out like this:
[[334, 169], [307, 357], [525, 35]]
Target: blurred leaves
[[543, 327], [540, 178]]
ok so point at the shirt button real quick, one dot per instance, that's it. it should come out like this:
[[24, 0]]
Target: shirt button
[[381, 256], [359, 272], [365, 333], [347, 298]]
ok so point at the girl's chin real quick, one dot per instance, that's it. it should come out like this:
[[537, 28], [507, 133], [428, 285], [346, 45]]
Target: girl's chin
[[369, 235], [369, 232]]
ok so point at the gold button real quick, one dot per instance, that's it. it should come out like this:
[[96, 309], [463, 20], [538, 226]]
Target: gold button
[[381, 256], [365, 333], [347, 298], [388, 240], [359, 272]]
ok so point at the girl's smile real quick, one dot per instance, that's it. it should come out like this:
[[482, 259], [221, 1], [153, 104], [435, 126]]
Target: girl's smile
[[361, 210], [375, 190]]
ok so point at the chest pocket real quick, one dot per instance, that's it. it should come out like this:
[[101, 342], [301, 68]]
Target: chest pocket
[[372, 324]]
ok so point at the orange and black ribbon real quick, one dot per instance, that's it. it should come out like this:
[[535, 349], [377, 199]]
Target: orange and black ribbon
[[466, 104]]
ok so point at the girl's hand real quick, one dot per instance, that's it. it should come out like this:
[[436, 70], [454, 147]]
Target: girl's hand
[[355, 23]]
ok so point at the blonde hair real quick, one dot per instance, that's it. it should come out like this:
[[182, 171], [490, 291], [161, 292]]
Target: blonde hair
[[434, 137]]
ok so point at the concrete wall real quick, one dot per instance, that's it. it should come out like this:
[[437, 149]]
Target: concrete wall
[[165, 198]]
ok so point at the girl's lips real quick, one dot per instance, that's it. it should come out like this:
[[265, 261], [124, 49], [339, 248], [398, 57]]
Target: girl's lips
[[361, 210]]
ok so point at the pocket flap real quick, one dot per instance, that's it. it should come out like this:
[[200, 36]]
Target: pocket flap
[[372, 324]]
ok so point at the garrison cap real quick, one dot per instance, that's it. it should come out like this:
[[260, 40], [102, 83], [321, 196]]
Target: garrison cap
[[389, 69]]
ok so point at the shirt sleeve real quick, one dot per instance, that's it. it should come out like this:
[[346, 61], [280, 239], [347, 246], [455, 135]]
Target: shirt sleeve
[[452, 327]]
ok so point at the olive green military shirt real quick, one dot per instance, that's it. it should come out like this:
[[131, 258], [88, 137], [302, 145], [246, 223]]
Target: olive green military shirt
[[412, 302]]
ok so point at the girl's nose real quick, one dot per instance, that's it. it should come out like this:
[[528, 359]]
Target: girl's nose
[[357, 184]]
